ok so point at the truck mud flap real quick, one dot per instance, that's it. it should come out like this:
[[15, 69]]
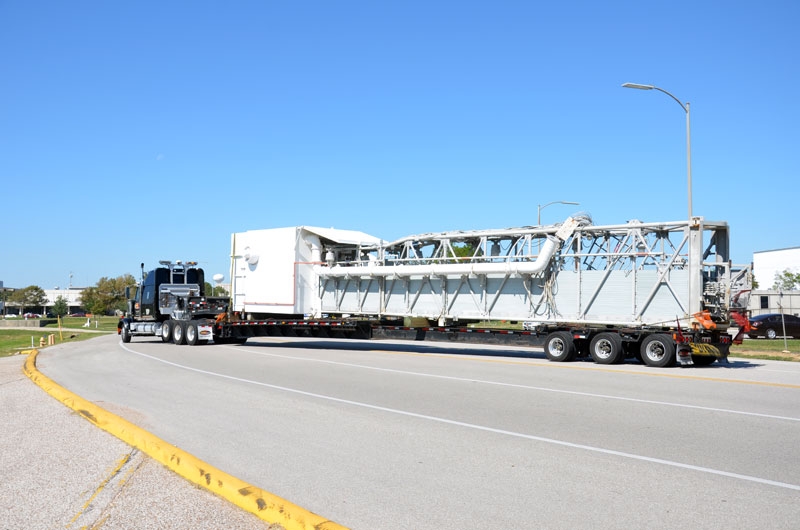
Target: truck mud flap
[[705, 349]]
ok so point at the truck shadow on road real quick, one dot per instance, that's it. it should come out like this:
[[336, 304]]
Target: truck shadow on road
[[432, 349]]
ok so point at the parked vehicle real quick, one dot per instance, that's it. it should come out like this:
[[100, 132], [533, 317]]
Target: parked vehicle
[[83, 315], [771, 326]]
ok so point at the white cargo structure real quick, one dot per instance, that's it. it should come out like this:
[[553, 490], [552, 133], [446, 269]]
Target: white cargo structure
[[633, 274], [272, 271]]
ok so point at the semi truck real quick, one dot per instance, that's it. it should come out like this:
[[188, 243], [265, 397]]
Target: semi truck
[[660, 292]]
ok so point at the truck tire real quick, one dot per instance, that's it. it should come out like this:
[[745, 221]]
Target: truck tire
[[178, 333], [559, 347], [126, 334], [191, 333], [166, 331], [606, 348], [658, 350]]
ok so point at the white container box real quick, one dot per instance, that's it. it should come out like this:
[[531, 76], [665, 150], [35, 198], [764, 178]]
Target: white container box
[[272, 271]]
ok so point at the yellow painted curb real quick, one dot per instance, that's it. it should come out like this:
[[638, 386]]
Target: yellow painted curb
[[265, 505]]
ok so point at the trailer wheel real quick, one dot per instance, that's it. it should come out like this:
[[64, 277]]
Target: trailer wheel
[[191, 333], [166, 331], [606, 348], [658, 350], [126, 333], [559, 347], [178, 333], [703, 360]]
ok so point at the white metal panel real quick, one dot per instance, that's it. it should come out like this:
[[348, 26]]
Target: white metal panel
[[268, 284], [664, 307], [614, 300]]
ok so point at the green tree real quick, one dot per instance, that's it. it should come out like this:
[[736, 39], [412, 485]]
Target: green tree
[[463, 250], [215, 291], [31, 297], [107, 296], [60, 307], [786, 280], [5, 296]]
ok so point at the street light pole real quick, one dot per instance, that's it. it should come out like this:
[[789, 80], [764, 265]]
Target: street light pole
[[685, 108], [539, 216]]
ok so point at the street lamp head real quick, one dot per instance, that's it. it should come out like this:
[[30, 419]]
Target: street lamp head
[[575, 203], [640, 87]]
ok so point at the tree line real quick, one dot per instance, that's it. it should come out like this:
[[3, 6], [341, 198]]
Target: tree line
[[107, 296]]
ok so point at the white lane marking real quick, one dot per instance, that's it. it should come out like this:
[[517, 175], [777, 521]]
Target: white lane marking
[[514, 385], [562, 443]]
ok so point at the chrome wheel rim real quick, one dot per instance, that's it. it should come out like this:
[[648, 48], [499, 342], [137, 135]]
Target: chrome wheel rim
[[655, 351], [603, 348], [556, 347]]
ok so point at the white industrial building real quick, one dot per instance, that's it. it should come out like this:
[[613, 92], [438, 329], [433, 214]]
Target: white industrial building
[[767, 301], [72, 296], [767, 263]]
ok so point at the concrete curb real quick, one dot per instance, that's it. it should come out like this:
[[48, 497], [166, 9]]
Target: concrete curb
[[263, 504]]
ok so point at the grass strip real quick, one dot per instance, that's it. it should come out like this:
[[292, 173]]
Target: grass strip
[[12, 341]]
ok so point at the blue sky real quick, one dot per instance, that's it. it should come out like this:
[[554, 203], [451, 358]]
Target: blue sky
[[141, 131]]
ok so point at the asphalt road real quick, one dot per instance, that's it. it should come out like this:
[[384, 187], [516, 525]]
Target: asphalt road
[[390, 434]]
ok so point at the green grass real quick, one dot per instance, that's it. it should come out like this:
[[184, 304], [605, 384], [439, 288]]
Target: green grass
[[12, 340], [767, 349], [765, 345], [103, 323]]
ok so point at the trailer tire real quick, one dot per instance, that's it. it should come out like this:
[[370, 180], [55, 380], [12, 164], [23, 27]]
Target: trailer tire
[[178, 333], [658, 350], [703, 360], [559, 347], [606, 348], [191, 333], [166, 331], [126, 334]]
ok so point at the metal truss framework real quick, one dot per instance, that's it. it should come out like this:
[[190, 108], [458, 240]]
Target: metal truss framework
[[475, 274]]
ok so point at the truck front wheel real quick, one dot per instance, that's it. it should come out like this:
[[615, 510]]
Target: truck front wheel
[[559, 347], [178, 333], [126, 333], [658, 350]]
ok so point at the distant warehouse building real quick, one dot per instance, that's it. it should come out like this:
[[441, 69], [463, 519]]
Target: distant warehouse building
[[767, 301], [766, 264], [71, 295]]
